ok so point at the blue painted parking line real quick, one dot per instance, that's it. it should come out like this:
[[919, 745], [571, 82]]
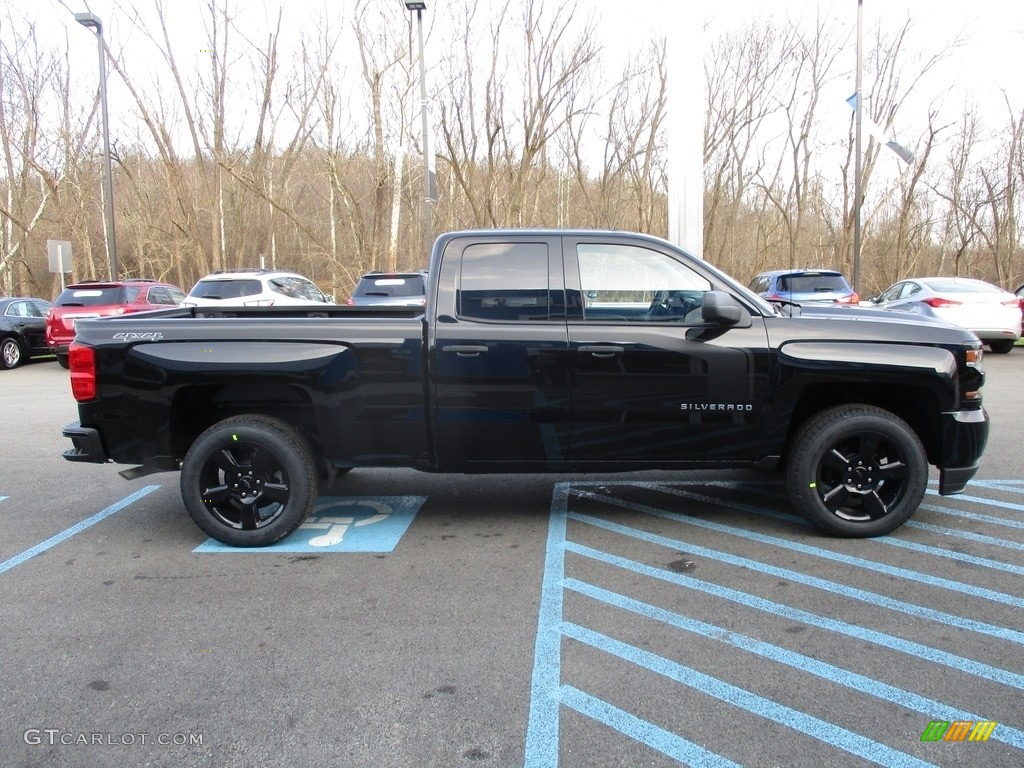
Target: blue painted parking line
[[866, 685], [342, 524], [657, 738], [892, 642], [1009, 505], [549, 692], [827, 554], [69, 532], [863, 595], [822, 730]]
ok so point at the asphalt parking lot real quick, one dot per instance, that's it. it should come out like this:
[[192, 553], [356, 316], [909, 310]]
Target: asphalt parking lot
[[420, 620]]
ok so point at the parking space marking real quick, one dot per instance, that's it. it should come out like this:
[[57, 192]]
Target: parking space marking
[[863, 595], [549, 691], [342, 524], [871, 565], [909, 647], [814, 727], [78, 528], [857, 682]]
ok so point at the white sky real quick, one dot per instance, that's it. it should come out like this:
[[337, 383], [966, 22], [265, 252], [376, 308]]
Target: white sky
[[985, 71]]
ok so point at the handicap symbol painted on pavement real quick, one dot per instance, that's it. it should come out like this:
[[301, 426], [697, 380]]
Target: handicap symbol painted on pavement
[[343, 524]]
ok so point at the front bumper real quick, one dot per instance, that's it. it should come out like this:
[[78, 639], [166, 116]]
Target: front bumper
[[87, 444], [964, 435]]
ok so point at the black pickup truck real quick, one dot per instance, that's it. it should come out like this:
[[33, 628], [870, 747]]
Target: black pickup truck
[[537, 351]]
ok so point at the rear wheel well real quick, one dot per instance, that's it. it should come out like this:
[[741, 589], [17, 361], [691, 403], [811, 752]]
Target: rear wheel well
[[197, 408]]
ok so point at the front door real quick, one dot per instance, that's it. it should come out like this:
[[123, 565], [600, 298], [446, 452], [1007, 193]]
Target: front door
[[652, 382]]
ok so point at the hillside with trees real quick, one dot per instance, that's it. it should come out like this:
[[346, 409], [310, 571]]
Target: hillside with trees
[[299, 148]]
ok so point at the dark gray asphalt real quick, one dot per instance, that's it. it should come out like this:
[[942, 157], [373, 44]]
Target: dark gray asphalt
[[680, 618]]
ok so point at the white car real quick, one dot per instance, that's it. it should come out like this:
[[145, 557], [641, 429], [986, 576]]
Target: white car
[[255, 288], [992, 313]]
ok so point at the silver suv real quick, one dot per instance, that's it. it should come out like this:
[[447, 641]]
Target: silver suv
[[255, 288]]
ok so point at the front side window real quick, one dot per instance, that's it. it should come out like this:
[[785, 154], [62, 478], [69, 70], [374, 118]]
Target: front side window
[[631, 283], [504, 282]]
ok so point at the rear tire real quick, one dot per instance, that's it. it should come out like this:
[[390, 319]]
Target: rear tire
[[62, 361], [249, 481], [1001, 346], [856, 471]]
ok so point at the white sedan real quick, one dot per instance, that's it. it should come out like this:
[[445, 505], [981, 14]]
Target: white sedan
[[994, 315]]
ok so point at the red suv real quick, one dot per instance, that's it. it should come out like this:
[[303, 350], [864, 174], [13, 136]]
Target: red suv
[[99, 299]]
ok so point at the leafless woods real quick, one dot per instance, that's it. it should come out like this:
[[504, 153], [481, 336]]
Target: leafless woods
[[298, 145]]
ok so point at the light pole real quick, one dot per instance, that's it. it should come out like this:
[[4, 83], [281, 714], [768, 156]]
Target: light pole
[[92, 21], [858, 182], [429, 185]]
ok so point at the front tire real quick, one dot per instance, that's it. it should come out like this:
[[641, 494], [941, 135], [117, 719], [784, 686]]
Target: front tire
[[856, 471], [249, 481], [11, 355]]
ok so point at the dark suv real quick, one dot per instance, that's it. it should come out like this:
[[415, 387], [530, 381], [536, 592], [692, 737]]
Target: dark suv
[[99, 299], [390, 289], [804, 286]]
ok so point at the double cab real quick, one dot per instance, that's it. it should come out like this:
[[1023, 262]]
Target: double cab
[[536, 351]]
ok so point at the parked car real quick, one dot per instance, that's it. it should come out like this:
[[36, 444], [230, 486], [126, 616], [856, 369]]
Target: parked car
[[390, 289], [255, 288], [1020, 300], [994, 315], [804, 286], [22, 330], [102, 299]]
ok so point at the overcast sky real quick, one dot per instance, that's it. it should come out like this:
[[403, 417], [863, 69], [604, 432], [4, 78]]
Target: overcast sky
[[986, 70]]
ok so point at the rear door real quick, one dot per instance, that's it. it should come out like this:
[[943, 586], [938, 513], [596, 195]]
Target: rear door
[[498, 353], [652, 382]]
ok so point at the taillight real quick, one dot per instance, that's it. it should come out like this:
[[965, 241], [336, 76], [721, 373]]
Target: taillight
[[82, 362], [938, 301], [350, 302], [853, 298]]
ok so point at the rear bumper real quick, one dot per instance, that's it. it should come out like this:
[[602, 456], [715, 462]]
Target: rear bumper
[[964, 435], [88, 446]]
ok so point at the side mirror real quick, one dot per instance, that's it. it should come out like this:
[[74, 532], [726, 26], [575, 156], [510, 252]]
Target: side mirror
[[721, 308]]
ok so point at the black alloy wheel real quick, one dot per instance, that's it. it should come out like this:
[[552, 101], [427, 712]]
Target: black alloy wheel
[[249, 481], [857, 471]]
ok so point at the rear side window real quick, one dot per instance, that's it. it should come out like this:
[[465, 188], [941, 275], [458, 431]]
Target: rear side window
[[91, 297], [504, 282], [162, 295], [226, 289], [296, 288]]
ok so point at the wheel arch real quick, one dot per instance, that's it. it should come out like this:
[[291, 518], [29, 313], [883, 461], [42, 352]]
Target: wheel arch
[[196, 408], [918, 406]]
